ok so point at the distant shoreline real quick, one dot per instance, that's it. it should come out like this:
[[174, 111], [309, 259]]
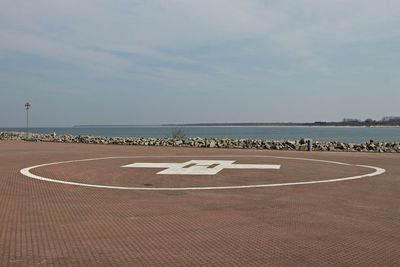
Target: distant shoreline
[[198, 126], [229, 125]]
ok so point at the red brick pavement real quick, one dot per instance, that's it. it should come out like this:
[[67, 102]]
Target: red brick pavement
[[337, 224]]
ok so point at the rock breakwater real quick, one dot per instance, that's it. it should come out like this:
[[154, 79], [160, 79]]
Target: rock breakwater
[[300, 145]]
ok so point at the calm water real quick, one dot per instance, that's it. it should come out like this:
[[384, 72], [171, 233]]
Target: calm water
[[343, 134]]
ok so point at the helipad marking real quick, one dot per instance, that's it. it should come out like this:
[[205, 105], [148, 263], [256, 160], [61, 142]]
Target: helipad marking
[[27, 172], [200, 167]]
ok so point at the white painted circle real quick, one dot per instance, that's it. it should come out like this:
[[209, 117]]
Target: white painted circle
[[27, 172]]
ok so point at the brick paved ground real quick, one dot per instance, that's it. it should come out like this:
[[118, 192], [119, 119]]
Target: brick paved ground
[[47, 224]]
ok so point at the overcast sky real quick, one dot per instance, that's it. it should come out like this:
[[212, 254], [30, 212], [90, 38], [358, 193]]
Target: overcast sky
[[184, 61]]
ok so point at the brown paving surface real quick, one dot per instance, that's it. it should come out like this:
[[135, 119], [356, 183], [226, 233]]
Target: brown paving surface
[[337, 224]]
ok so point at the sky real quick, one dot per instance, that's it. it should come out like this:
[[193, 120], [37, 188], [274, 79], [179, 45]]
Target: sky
[[192, 61]]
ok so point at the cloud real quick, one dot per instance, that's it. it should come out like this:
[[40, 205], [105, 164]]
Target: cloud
[[188, 47], [56, 50], [301, 28]]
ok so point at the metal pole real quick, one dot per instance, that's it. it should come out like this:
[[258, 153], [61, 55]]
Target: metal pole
[[27, 122], [27, 106]]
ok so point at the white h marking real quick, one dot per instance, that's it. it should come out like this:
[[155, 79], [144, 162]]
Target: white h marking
[[200, 167]]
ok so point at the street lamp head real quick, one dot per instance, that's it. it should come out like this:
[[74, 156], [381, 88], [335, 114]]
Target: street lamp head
[[27, 105]]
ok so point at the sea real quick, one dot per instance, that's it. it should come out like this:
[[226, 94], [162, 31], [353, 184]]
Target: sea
[[340, 134]]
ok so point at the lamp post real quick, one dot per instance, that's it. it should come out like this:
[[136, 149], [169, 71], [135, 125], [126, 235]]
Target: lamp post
[[27, 107]]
